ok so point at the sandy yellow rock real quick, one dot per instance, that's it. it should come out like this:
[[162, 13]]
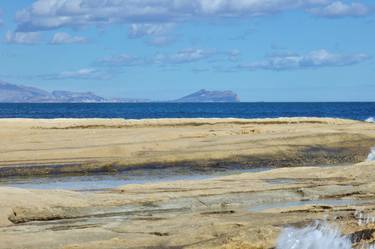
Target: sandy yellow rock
[[84, 145], [212, 213]]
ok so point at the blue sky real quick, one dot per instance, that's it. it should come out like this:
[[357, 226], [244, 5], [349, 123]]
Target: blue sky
[[265, 50]]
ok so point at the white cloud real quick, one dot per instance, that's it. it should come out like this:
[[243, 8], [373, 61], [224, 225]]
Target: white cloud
[[65, 38], [83, 74], [121, 60], [315, 59], [53, 14], [340, 9], [22, 37], [156, 34], [160, 41], [149, 29], [184, 56]]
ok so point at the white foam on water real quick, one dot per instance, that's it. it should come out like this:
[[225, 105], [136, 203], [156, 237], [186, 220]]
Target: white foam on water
[[371, 156], [364, 219], [317, 236], [370, 120]]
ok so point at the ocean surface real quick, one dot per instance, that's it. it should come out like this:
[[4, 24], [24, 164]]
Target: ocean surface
[[352, 110]]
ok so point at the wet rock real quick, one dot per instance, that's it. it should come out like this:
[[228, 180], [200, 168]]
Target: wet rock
[[366, 234], [22, 215]]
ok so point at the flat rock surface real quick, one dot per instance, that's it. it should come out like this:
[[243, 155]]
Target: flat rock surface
[[33, 146], [240, 211], [214, 213]]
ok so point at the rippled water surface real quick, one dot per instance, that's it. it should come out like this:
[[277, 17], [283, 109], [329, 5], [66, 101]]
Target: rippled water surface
[[359, 111]]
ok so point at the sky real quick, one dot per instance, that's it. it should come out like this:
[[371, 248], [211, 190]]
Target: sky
[[264, 50]]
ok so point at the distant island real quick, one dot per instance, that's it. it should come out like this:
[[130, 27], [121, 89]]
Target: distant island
[[11, 93], [210, 96]]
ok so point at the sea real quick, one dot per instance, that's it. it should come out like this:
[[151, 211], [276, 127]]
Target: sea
[[349, 110]]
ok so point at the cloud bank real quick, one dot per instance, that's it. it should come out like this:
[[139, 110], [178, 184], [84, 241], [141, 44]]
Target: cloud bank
[[340, 9], [183, 56], [315, 59], [81, 74], [277, 62], [54, 14]]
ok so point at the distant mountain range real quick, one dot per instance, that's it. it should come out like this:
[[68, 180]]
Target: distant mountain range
[[10, 93]]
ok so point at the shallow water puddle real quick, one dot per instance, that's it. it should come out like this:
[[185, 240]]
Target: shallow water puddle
[[282, 181], [97, 182], [328, 202], [371, 156]]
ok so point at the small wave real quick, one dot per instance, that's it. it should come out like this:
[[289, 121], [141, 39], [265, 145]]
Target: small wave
[[371, 156], [317, 236], [364, 219], [370, 120]]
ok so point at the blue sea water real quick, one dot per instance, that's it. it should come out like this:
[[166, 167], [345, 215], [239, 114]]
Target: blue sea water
[[357, 110]]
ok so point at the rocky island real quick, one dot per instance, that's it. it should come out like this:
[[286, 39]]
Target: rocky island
[[206, 96]]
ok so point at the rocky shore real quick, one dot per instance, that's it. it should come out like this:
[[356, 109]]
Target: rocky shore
[[243, 211], [80, 146]]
